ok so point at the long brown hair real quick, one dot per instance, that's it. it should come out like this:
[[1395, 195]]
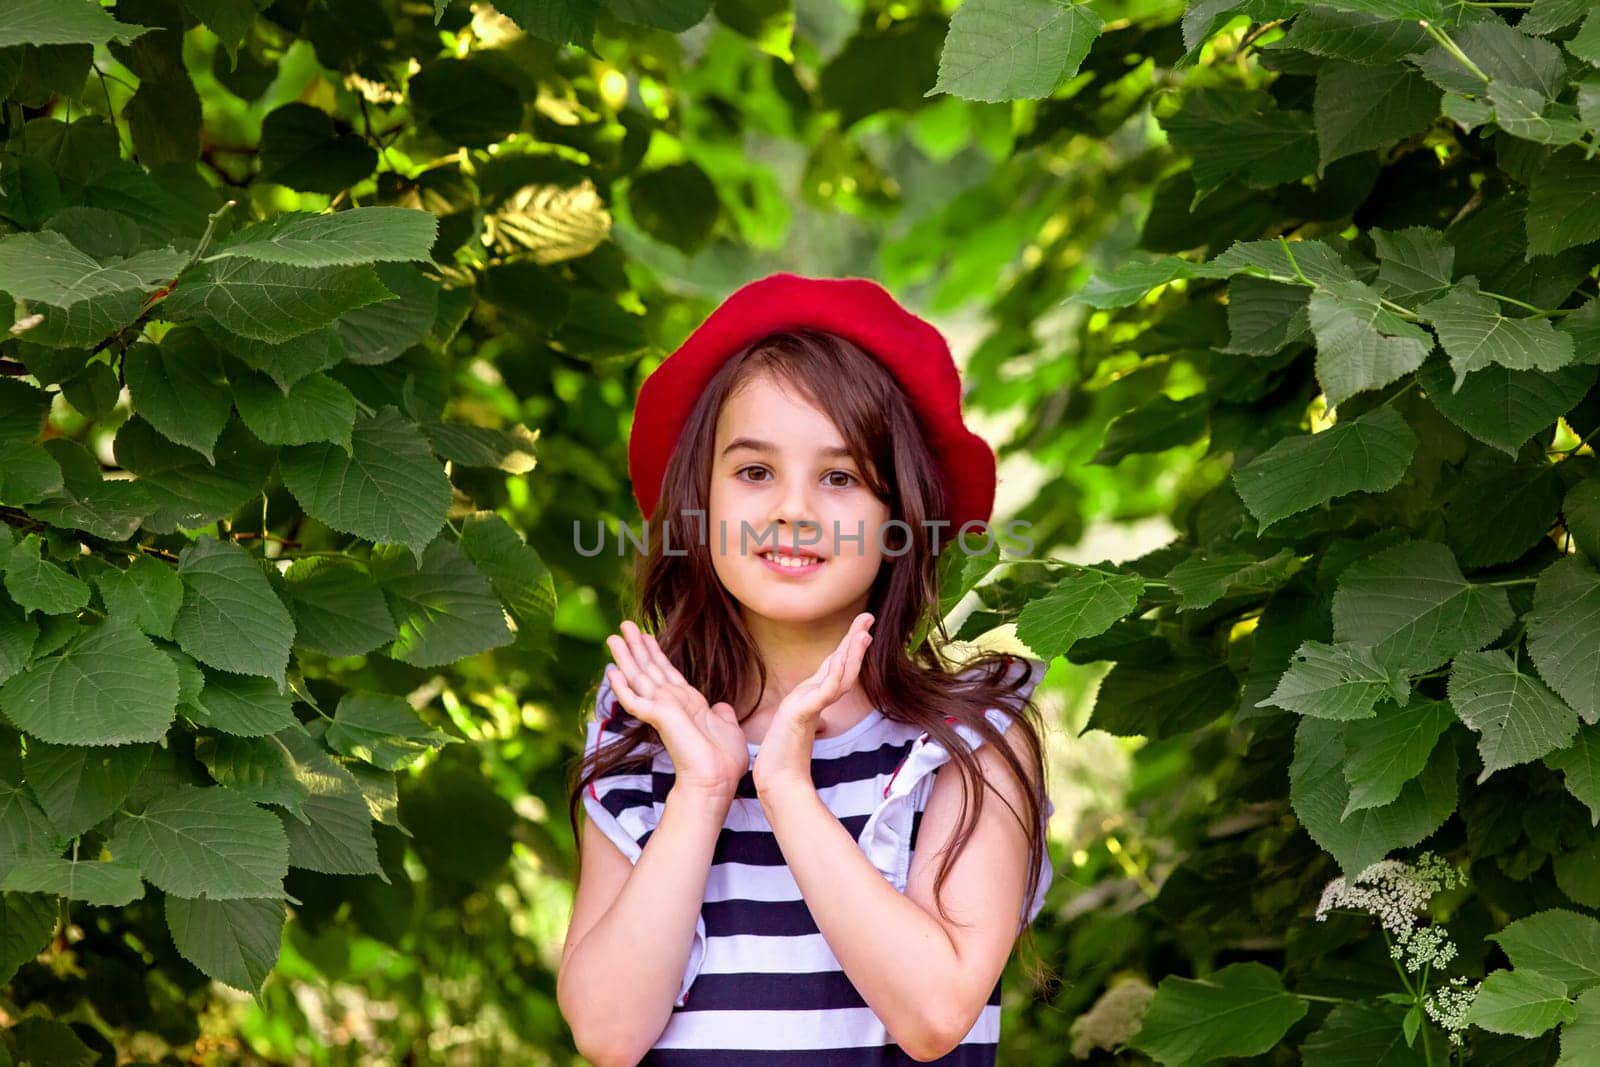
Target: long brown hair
[[696, 621]]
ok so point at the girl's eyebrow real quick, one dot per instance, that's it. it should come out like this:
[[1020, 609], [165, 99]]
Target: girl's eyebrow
[[834, 452]]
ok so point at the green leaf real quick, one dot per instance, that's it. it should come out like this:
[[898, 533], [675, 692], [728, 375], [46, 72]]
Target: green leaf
[[1083, 603], [1564, 202], [25, 831], [383, 730], [184, 490], [46, 267], [379, 332], [556, 21], [1241, 1010], [1358, 107], [272, 301], [1014, 49], [1368, 454], [445, 608], [674, 16], [1433, 10], [517, 574], [27, 921], [286, 362], [1163, 699], [53, 22], [23, 409], [676, 204], [147, 594], [1412, 604], [230, 20], [1529, 114], [17, 637], [1357, 1034], [1581, 1034], [1341, 682], [232, 941], [1320, 796], [1390, 749], [1156, 425], [1416, 263], [1475, 335], [1579, 765], [316, 408], [1243, 134], [37, 584], [179, 389], [1505, 53], [338, 838], [260, 768], [1521, 1002], [1564, 631], [510, 450], [389, 488], [1503, 407], [78, 786], [28, 472], [1585, 44], [1517, 718], [1361, 344], [301, 149], [1206, 577], [340, 238], [338, 608], [1127, 282], [1265, 316], [112, 885], [242, 705], [1359, 38], [1557, 943], [1318, 261], [109, 685], [231, 618], [1548, 16], [206, 842]]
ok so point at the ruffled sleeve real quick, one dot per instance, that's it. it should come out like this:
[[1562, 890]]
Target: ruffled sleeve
[[622, 806], [886, 837]]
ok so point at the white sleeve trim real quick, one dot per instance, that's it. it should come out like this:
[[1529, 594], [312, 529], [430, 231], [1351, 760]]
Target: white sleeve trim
[[886, 836]]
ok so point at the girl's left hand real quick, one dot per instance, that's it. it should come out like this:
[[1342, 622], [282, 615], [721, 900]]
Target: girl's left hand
[[786, 749]]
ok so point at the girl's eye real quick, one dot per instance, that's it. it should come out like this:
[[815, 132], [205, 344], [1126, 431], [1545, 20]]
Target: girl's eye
[[851, 478]]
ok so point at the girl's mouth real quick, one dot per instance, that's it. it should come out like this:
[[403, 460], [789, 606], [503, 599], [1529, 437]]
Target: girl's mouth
[[800, 566]]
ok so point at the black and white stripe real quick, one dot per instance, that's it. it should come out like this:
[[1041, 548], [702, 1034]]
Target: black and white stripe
[[761, 978]]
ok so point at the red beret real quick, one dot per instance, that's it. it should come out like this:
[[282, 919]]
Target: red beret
[[855, 308]]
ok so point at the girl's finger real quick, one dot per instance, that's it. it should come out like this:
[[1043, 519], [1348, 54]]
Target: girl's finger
[[622, 654], [631, 700], [641, 651], [659, 657]]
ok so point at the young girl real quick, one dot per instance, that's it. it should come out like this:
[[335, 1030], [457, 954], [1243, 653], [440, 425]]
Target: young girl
[[780, 873]]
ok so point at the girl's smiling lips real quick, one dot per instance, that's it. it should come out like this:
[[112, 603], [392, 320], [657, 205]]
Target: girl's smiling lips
[[811, 566]]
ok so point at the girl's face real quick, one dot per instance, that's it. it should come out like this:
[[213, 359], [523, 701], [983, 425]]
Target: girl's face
[[780, 477]]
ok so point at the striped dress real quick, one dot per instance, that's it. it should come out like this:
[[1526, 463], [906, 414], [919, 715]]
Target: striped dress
[[760, 977]]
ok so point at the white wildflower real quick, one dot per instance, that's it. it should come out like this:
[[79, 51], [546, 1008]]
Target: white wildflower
[[1392, 890], [1448, 1006]]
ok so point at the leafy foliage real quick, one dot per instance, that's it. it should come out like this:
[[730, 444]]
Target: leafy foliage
[[290, 281]]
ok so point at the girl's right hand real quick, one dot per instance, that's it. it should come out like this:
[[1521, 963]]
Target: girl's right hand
[[707, 745]]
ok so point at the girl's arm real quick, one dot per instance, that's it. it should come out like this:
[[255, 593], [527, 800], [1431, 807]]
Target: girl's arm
[[928, 980], [632, 928]]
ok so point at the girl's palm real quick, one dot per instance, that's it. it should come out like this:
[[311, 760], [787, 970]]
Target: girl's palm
[[707, 745]]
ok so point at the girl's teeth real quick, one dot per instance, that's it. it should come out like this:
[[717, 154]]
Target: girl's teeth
[[783, 561]]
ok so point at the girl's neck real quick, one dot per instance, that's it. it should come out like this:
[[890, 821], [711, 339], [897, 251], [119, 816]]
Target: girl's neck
[[792, 653]]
